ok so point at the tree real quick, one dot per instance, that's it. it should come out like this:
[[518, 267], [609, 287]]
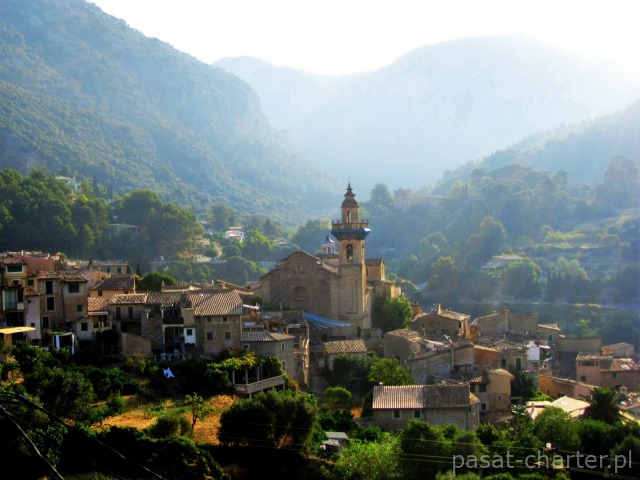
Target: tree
[[270, 419], [487, 242], [368, 460], [338, 395], [153, 282], [387, 371], [520, 280], [309, 236], [396, 313], [66, 393], [200, 409], [628, 450], [555, 426], [603, 406], [425, 451]]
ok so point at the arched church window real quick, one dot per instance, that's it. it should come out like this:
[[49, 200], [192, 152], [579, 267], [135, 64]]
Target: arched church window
[[349, 252], [348, 216]]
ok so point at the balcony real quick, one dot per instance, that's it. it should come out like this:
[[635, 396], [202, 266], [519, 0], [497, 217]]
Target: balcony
[[260, 385]]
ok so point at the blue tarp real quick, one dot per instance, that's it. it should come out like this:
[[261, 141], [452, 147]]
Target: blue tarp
[[317, 322]]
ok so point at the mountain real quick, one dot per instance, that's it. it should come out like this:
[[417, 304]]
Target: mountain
[[435, 108], [83, 94], [582, 150]]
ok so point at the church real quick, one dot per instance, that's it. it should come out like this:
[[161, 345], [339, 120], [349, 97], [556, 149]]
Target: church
[[339, 286]]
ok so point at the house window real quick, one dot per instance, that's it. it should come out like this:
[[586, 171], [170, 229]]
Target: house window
[[119, 269], [472, 388], [189, 332], [51, 303], [483, 388], [282, 346], [416, 414], [504, 363], [227, 335], [84, 326], [130, 311], [14, 268], [118, 313], [224, 319], [30, 282], [583, 378], [79, 308], [396, 414], [483, 407], [209, 319], [246, 346], [74, 288], [48, 287], [33, 325], [518, 363], [99, 293], [615, 374], [209, 335]]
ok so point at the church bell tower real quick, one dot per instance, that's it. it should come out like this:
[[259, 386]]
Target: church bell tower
[[351, 233]]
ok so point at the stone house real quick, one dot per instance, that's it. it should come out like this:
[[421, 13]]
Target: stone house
[[217, 317], [557, 387], [607, 371], [621, 349], [124, 284], [332, 349], [442, 361], [63, 298], [403, 344], [278, 345], [442, 322], [127, 311], [395, 406]]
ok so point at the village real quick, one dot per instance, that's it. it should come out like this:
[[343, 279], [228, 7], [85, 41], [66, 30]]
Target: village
[[312, 311]]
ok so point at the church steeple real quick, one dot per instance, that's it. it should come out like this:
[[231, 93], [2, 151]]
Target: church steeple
[[350, 208], [351, 232]]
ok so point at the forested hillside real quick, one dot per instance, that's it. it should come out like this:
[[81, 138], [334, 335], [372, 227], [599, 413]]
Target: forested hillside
[[581, 150], [83, 94]]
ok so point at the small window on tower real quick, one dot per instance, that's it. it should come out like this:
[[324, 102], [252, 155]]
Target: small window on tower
[[349, 252]]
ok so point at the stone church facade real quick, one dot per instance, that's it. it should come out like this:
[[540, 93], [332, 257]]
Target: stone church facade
[[338, 285]]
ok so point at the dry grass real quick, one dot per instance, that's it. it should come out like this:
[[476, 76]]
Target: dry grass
[[142, 415]]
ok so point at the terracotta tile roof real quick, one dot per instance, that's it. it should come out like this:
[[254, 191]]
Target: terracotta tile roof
[[226, 302], [345, 346], [264, 336], [422, 397], [471, 376], [398, 397], [128, 299], [588, 356], [620, 364], [63, 276], [447, 396], [165, 299], [117, 282], [405, 333], [97, 304]]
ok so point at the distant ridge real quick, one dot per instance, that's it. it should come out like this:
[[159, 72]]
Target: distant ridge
[[435, 108]]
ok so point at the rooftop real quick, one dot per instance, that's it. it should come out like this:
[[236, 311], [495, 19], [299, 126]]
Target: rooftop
[[345, 346]]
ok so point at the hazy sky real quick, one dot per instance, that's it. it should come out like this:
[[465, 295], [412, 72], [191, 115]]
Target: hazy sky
[[346, 36]]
